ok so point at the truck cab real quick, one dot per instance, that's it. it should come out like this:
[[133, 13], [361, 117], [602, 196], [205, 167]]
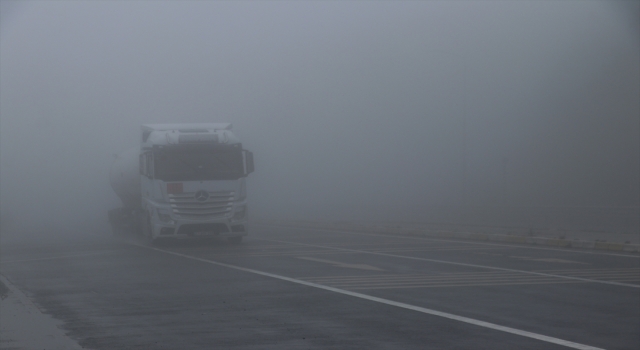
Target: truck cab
[[193, 181]]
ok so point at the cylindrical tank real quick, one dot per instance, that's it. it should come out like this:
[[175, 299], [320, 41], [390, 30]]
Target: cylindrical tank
[[125, 177]]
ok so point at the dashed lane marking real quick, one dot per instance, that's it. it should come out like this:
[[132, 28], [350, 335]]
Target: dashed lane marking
[[341, 264], [494, 278], [288, 253], [435, 280], [552, 260], [403, 245], [463, 264], [619, 274], [465, 279], [446, 315], [430, 249], [287, 249], [598, 270], [455, 285], [333, 251]]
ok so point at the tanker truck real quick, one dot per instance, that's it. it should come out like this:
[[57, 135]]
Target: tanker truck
[[183, 181]]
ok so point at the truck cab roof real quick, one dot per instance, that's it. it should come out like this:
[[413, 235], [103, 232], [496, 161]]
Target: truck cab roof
[[187, 126], [187, 133]]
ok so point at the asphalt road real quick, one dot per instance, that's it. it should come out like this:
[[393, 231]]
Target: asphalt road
[[286, 288]]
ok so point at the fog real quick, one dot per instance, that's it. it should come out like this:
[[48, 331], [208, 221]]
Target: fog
[[387, 111]]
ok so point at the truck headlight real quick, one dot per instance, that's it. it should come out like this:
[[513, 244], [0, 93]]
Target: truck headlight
[[164, 215], [242, 195], [240, 213]]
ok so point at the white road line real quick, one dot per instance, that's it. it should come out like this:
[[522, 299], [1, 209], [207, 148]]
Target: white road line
[[428, 278], [599, 269], [505, 281], [459, 241], [341, 264], [461, 264], [488, 284], [451, 275], [468, 320]]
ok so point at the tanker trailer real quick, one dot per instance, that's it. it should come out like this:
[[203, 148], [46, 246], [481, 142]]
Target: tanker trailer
[[124, 177], [184, 181]]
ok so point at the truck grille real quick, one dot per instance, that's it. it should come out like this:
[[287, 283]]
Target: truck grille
[[187, 206]]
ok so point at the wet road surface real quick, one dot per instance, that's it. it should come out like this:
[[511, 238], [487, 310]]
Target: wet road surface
[[287, 288]]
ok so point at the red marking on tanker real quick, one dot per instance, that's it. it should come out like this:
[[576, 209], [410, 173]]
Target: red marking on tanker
[[174, 188]]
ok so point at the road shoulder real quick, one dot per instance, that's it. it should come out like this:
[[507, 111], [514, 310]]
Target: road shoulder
[[24, 326]]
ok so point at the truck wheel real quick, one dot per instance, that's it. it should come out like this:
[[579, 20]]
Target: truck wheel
[[235, 240]]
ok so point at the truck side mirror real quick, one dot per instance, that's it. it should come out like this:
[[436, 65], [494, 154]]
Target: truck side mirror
[[146, 168], [248, 161], [150, 164]]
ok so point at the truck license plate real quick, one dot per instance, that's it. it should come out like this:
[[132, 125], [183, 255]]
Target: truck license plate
[[204, 233]]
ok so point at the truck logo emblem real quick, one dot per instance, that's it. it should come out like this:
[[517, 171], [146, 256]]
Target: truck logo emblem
[[202, 195]]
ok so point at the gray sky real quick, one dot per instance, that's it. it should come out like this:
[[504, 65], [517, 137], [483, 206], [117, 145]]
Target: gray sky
[[353, 109]]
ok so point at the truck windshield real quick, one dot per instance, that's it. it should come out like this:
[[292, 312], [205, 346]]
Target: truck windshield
[[199, 164]]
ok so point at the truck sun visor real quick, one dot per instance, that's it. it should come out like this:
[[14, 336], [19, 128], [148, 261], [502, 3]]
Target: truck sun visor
[[198, 138]]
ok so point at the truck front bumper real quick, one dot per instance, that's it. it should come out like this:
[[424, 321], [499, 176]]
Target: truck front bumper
[[210, 228]]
